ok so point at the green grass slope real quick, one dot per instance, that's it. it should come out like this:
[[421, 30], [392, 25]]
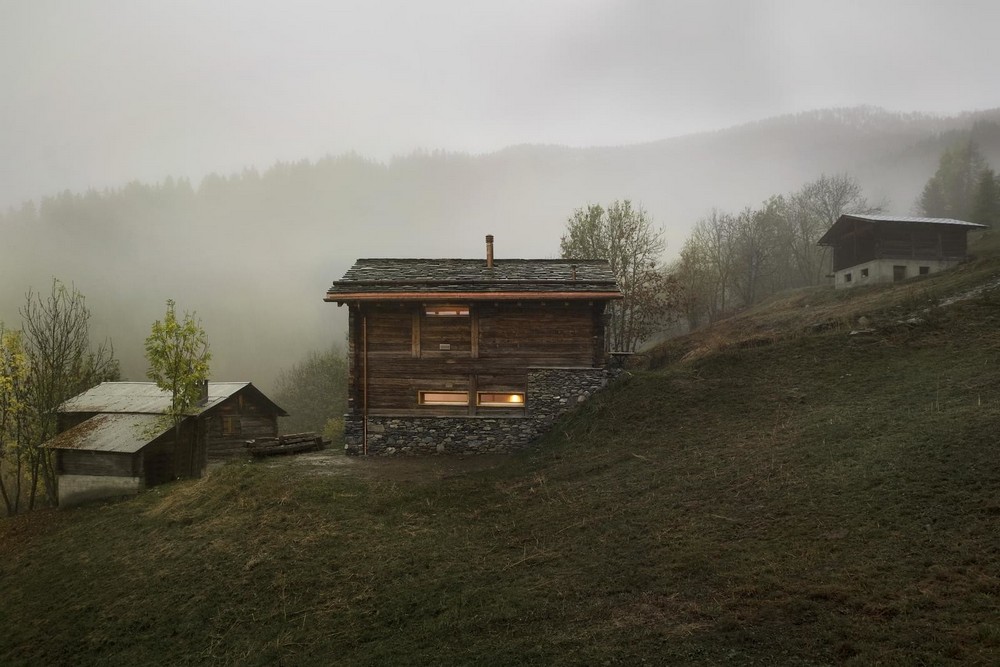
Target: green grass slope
[[775, 491]]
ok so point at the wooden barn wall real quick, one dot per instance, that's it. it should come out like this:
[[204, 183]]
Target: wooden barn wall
[[867, 242], [80, 462], [252, 420], [164, 460], [491, 349]]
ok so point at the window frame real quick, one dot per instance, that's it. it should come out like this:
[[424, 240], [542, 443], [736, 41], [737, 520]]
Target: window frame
[[422, 401], [480, 403], [447, 310], [228, 428]]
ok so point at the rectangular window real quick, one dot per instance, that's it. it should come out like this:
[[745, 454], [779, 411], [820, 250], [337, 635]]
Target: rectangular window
[[898, 273], [447, 311], [496, 399], [847, 277], [231, 426], [924, 270], [443, 397], [864, 273]]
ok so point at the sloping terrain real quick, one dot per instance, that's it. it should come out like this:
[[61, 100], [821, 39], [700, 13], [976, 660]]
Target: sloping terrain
[[774, 490]]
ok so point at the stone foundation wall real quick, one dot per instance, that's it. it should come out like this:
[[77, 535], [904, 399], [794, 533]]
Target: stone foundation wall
[[551, 392]]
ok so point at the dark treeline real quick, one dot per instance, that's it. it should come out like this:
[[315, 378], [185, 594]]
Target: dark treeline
[[253, 252]]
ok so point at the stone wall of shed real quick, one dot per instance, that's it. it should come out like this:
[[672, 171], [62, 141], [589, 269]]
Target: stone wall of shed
[[550, 393], [78, 489]]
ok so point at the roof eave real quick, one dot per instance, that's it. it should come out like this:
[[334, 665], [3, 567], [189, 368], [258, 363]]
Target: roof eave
[[356, 297]]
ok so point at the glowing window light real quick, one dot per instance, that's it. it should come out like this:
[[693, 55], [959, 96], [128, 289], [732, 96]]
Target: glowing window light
[[443, 398], [496, 399]]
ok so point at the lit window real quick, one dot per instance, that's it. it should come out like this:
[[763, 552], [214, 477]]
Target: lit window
[[443, 398], [447, 311], [231, 426], [508, 399]]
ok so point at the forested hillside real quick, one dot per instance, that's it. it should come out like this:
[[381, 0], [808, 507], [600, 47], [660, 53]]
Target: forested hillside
[[253, 252]]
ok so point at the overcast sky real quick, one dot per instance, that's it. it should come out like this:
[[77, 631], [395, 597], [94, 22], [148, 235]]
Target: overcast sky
[[96, 93]]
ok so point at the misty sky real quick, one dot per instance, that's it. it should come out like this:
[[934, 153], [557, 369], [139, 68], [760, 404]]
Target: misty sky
[[96, 93]]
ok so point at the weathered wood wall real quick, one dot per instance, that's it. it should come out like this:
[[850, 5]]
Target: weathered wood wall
[[76, 462], [400, 351], [252, 420], [868, 242]]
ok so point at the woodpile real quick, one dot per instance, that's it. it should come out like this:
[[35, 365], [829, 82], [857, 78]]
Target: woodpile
[[293, 443]]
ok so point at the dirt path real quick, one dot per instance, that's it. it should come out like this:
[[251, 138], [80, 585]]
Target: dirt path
[[401, 469]]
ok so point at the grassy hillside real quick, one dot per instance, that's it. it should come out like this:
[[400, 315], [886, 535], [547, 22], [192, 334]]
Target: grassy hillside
[[772, 491]]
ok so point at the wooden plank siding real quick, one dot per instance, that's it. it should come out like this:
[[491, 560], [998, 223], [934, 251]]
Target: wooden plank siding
[[396, 351], [246, 420], [867, 242], [113, 464]]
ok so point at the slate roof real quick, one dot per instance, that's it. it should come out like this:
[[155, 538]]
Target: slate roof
[[147, 398], [838, 227], [372, 278], [122, 433]]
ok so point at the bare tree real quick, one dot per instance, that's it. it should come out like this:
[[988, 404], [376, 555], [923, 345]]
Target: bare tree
[[624, 235], [57, 342], [813, 210]]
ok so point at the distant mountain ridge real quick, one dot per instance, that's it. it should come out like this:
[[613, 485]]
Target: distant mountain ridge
[[253, 252]]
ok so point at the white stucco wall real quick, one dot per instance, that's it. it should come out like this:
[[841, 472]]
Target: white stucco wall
[[881, 271], [76, 489]]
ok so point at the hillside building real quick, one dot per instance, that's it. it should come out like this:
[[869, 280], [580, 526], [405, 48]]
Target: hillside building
[[870, 249], [469, 355], [116, 438]]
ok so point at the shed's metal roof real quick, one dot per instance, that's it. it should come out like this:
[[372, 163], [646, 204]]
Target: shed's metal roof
[[122, 433], [838, 228], [141, 398], [906, 218], [471, 276]]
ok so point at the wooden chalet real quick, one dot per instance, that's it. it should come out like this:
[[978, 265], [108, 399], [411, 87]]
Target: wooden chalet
[[461, 338], [115, 439], [871, 249]]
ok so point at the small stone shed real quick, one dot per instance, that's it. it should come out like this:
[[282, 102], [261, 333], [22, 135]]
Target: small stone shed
[[115, 439], [469, 355], [870, 249]]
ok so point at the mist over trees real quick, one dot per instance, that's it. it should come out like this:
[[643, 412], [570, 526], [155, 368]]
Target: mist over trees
[[314, 394], [735, 260], [254, 251], [964, 187]]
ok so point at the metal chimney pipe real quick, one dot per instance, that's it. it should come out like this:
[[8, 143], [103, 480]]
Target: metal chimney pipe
[[489, 251]]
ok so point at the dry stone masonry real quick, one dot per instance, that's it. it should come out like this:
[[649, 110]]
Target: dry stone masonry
[[551, 393]]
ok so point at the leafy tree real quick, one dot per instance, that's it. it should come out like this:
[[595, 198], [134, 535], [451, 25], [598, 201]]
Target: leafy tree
[[951, 191], [314, 392], [178, 358], [56, 335], [624, 235], [14, 374]]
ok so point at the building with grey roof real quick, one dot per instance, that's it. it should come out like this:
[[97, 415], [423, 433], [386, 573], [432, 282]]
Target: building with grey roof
[[116, 439], [870, 249]]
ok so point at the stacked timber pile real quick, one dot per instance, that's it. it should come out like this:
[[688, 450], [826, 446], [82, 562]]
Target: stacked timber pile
[[293, 443]]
